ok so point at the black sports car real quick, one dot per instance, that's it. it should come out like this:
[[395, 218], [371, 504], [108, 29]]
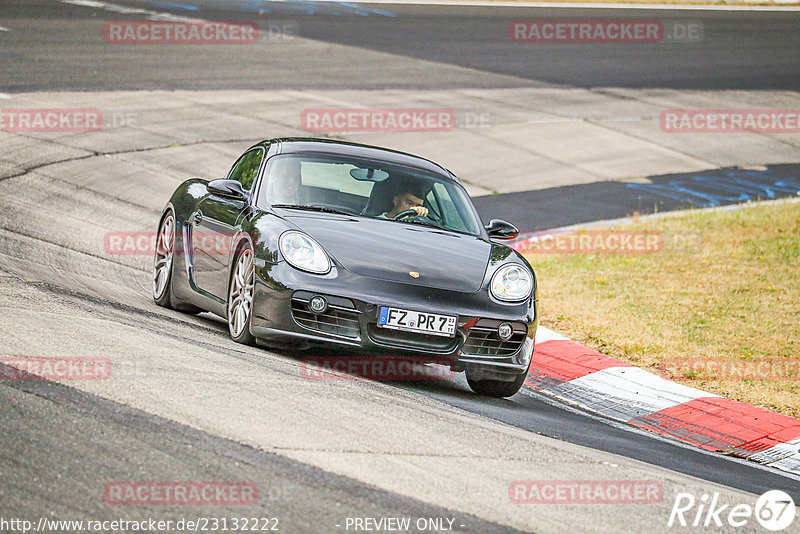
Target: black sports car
[[311, 241]]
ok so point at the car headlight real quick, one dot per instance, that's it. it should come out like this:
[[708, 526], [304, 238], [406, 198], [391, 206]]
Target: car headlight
[[511, 282], [304, 253]]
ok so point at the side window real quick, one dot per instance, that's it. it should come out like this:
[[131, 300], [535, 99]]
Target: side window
[[246, 169]]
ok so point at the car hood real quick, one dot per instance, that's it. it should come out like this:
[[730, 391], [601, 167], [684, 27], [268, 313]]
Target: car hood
[[390, 250]]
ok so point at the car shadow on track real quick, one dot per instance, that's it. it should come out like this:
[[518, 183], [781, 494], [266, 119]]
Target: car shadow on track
[[323, 362], [435, 380]]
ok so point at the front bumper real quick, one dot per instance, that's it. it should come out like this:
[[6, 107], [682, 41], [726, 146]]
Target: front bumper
[[281, 315]]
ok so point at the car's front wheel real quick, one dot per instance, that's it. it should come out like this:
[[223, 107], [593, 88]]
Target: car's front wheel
[[494, 387], [163, 265], [240, 296]]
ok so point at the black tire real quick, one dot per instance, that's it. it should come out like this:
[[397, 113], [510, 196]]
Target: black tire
[[496, 388], [163, 261], [165, 255], [239, 319]]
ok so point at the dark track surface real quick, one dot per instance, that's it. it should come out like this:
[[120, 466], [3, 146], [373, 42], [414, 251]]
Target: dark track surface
[[575, 204], [530, 412], [81, 438], [49, 45]]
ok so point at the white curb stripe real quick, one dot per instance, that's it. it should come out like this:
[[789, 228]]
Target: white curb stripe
[[779, 452], [626, 393], [791, 464], [545, 334]]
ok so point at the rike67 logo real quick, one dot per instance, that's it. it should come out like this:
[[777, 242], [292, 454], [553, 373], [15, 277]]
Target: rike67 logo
[[774, 510]]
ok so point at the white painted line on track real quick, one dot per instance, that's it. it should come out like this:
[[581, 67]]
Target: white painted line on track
[[4, 96], [125, 10]]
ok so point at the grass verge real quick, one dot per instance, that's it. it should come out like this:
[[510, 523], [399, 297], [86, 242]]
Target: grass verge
[[717, 308]]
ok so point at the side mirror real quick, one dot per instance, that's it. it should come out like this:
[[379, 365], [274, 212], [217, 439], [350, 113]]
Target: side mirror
[[500, 229], [227, 189]]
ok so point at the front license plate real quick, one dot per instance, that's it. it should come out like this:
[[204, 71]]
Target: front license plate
[[412, 321]]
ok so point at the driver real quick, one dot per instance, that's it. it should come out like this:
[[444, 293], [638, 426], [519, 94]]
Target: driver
[[406, 199]]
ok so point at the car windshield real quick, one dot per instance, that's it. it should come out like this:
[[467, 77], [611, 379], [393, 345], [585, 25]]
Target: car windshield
[[366, 188]]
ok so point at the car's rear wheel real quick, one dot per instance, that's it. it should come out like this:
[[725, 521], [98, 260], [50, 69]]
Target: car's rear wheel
[[240, 297], [496, 388]]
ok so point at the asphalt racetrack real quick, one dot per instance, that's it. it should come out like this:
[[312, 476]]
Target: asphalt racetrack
[[546, 136]]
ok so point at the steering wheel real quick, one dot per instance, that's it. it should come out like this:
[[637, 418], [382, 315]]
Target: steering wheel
[[412, 215], [404, 214]]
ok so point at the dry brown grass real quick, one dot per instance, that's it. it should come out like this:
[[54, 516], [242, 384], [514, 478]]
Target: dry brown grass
[[737, 296]]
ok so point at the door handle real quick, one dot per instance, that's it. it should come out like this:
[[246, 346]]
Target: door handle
[[198, 217]]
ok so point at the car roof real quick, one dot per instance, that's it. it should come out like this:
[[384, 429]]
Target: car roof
[[289, 145]]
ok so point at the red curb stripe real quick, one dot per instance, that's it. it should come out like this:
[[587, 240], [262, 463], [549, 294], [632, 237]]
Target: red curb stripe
[[712, 423], [720, 424], [558, 361]]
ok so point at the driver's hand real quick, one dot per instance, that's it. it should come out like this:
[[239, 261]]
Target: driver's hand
[[422, 211]]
